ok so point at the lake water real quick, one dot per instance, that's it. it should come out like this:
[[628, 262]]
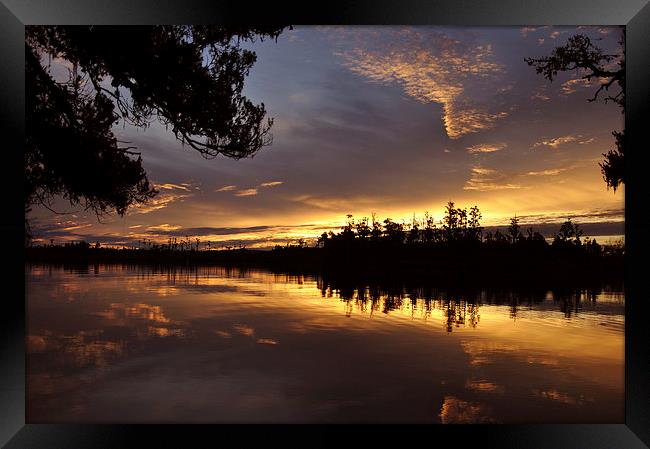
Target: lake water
[[121, 345]]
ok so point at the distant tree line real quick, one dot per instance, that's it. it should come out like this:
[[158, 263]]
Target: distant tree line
[[459, 228], [174, 244]]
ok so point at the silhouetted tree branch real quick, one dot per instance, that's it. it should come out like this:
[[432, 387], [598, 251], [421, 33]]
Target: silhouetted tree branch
[[580, 54], [614, 164], [190, 78]]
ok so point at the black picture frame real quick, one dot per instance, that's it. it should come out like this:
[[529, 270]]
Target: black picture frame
[[634, 14]]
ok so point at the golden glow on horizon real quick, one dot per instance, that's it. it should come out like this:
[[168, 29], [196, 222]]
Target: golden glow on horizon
[[497, 207]]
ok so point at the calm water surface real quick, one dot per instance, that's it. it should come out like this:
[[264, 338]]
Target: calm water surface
[[117, 344]]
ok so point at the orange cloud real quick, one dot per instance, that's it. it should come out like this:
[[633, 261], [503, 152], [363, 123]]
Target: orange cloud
[[434, 68], [246, 192], [170, 186], [226, 189], [75, 227], [163, 227], [485, 179], [562, 140], [483, 385], [551, 172], [486, 148], [244, 330], [271, 184], [571, 86], [170, 193]]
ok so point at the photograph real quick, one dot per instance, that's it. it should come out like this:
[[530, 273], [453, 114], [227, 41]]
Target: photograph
[[325, 224]]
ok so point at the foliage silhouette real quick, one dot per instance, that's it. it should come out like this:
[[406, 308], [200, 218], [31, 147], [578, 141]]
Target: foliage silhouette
[[570, 233], [190, 78], [579, 53], [513, 230]]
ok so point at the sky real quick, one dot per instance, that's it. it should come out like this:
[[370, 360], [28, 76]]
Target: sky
[[392, 120]]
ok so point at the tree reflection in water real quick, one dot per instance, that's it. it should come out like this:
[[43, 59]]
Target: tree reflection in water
[[460, 307]]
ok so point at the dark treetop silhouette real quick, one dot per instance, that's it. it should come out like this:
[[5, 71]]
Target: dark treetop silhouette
[[579, 53], [188, 77]]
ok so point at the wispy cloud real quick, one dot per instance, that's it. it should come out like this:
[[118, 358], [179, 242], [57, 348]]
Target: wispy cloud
[[169, 230], [432, 67], [163, 227], [271, 184], [486, 179], [170, 186], [168, 194], [251, 191], [342, 203], [226, 189], [600, 217], [549, 172], [246, 192], [482, 385], [486, 148], [483, 171], [160, 202], [75, 227], [571, 86], [244, 330], [557, 141]]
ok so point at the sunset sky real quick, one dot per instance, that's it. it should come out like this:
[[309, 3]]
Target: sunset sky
[[389, 120]]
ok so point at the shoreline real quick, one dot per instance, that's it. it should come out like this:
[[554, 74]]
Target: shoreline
[[441, 267]]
